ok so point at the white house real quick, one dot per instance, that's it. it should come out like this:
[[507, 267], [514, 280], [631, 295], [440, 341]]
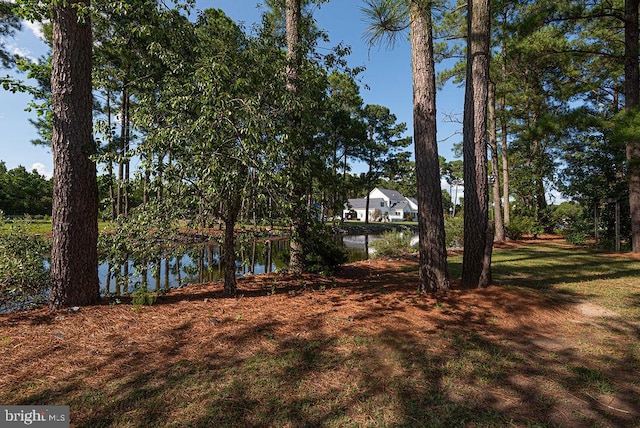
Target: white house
[[384, 205]]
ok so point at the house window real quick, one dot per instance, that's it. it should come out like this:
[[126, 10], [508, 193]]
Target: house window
[[382, 204], [398, 213]]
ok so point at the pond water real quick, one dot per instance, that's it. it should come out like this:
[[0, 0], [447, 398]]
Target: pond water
[[200, 263], [196, 263]]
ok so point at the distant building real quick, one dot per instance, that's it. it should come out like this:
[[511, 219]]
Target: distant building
[[384, 205]]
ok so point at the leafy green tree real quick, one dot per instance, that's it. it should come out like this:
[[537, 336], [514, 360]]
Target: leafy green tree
[[23, 192], [595, 171], [346, 132], [383, 148], [402, 177], [216, 114]]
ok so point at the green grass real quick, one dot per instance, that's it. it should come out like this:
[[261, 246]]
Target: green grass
[[607, 280], [42, 226]]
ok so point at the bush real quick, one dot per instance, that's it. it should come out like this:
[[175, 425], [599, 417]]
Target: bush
[[24, 277], [566, 215], [576, 237], [323, 253], [393, 244], [454, 231], [573, 222], [522, 225]]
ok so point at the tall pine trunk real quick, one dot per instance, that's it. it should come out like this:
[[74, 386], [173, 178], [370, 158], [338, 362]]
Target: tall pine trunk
[[433, 253], [230, 217], [74, 256], [298, 194], [493, 144], [632, 99], [112, 194], [505, 167], [504, 139], [476, 262], [123, 166]]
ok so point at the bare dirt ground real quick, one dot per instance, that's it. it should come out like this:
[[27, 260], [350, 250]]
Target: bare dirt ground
[[501, 356]]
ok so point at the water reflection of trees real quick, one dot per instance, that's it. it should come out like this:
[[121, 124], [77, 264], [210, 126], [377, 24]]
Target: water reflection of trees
[[163, 266]]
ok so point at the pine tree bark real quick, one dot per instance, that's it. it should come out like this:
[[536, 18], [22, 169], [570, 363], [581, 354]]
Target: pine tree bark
[[74, 258], [476, 266], [434, 274], [493, 145], [505, 170], [366, 208], [230, 218], [632, 99], [298, 201], [112, 195], [504, 139]]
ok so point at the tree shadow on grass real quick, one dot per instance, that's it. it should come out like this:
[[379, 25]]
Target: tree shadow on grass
[[543, 267], [464, 372], [370, 352]]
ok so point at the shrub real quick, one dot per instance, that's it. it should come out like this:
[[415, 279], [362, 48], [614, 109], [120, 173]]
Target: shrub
[[323, 253], [608, 244], [454, 231], [576, 237], [522, 225], [141, 297], [571, 221], [393, 244], [24, 276]]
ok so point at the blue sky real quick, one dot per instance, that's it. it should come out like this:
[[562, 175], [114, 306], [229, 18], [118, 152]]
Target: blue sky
[[387, 75]]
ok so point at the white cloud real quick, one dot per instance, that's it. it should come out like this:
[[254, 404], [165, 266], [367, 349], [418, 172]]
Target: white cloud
[[22, 52], [42, 169], [35, 28]]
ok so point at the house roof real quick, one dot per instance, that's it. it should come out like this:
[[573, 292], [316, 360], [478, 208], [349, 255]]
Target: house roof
[[414, 202], [391, 194], [401, 206], [361, 204]]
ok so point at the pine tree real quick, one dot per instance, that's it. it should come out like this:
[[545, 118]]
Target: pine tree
[[388, 19], [478, 234], [74, 258]]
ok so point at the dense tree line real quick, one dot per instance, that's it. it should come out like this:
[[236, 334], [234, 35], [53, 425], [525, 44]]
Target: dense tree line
[[23, 192]]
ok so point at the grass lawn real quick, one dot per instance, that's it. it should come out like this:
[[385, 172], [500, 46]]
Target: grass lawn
[[555, 342], [42, 226]]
